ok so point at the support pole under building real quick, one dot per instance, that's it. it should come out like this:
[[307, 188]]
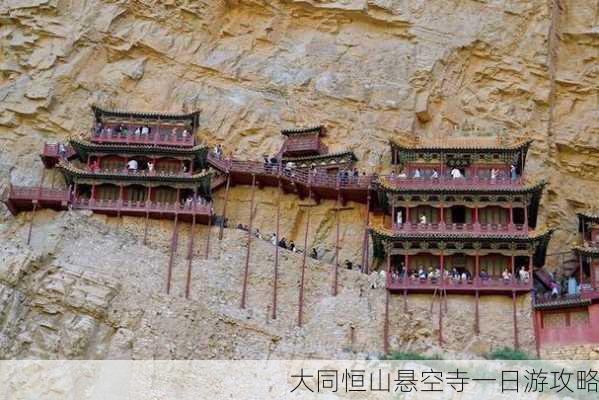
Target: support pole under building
[[516, 341], [208, 234], [249, 245], [276, 270], [303, 273], [386, 323], [338, 217], [174, 241], [35, 203], [190, 248], [224, 216], [365, 267], [147, 215]]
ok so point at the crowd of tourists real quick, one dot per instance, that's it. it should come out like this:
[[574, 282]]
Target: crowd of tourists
[[454, 173], [140, 131], [454, 275]]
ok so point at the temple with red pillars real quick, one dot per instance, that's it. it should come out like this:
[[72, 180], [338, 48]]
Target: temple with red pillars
[[459, 217], [567, 309]]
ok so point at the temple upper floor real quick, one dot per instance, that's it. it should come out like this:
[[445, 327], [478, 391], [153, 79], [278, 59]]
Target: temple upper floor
[[588, 227]]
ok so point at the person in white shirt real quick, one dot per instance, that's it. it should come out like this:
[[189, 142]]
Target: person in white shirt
[[399, 218], [145, 130], [417, 174], [423, 219], [435, 174], [150, 166], [456, 173], [494, 174], [132, 165]]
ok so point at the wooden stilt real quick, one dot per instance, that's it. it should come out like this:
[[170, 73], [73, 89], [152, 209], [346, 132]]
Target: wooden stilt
[[365, 267], [31, 222], [535, 321], [338, 217], [276, 270], [249, 245], [440, 320], [303, 274], [386, 323], [208, 235], [190, 256], [476, 314], [147, 215], [405, 300], [516, 341], [174, 241], [35, 204], [224, 216]]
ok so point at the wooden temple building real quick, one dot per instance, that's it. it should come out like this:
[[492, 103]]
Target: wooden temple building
[[459, 218], [572, 316]]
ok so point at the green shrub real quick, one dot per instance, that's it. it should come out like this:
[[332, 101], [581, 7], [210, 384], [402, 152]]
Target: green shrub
[[506, 353]]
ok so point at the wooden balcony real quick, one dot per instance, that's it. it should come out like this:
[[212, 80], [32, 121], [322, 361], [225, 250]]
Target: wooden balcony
[[475, 229], [490, 285], [26, 198], [159, 136], [155, 210], [52, 153], [298, 146], [300, 181]]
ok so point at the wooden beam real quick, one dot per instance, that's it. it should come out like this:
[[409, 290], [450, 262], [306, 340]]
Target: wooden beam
[[190, 255], [337, 217], [303, 272], [276, 270], [208, 234], [365, 267], [249, 245], [386, 322], [174, 241], [516, 341], [224, 216]]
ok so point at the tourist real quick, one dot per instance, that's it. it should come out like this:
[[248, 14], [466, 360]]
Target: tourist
[[99, 127], [392, 176], [506, 275], [399, 217], [185, 133], [421, 273], [258, 234], [402, 175], [484, 275], [435, 174], [555, 289], [150, 166], [356, 175], [188, 202], [132, 166], [283, 243], [423, 219], [266, 162], [145, 130], [348, 264], [273, 239], [373, 280], [456, 173], [523, 275], [494, 173], [464, 277], [513, 172], [291, 246], [417, 174], [174, 131], [382, 279], [95, 166], [314, 253]]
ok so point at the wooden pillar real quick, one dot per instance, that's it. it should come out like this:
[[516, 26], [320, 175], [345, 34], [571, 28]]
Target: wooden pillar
[[476, 217], [477, 283], [530, 270], [593, 278], [174, 241], [120, 205], [513, 266], [190, 254], [386, 322], [365, 240], [516, 341], [442, 262], [408, 215], [406, 266], [526, 217], [148, 197], [581, 273], [208, 233], [511, 222], [337, 217], [303, 273], [276, 271], [249, 244], [224, 216], [93, 195]]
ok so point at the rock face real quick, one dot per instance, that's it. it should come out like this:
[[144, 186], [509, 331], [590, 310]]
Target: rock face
[[367, 69]]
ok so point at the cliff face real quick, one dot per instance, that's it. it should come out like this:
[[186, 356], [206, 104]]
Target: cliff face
[[367, 69]]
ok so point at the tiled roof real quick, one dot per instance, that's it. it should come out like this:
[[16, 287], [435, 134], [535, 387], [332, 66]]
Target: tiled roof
[[564, 302], [460, 143], [137, 114], [136, 148], [459, 236], [322, 156], [527, 187], [298, 131]]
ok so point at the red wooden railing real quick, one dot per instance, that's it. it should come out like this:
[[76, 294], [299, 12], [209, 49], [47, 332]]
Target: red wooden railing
[[491, 283], [140, 173], [142, 206], [37, 193], [157, 137], [515, 229], [301, 176], [53, 150]]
